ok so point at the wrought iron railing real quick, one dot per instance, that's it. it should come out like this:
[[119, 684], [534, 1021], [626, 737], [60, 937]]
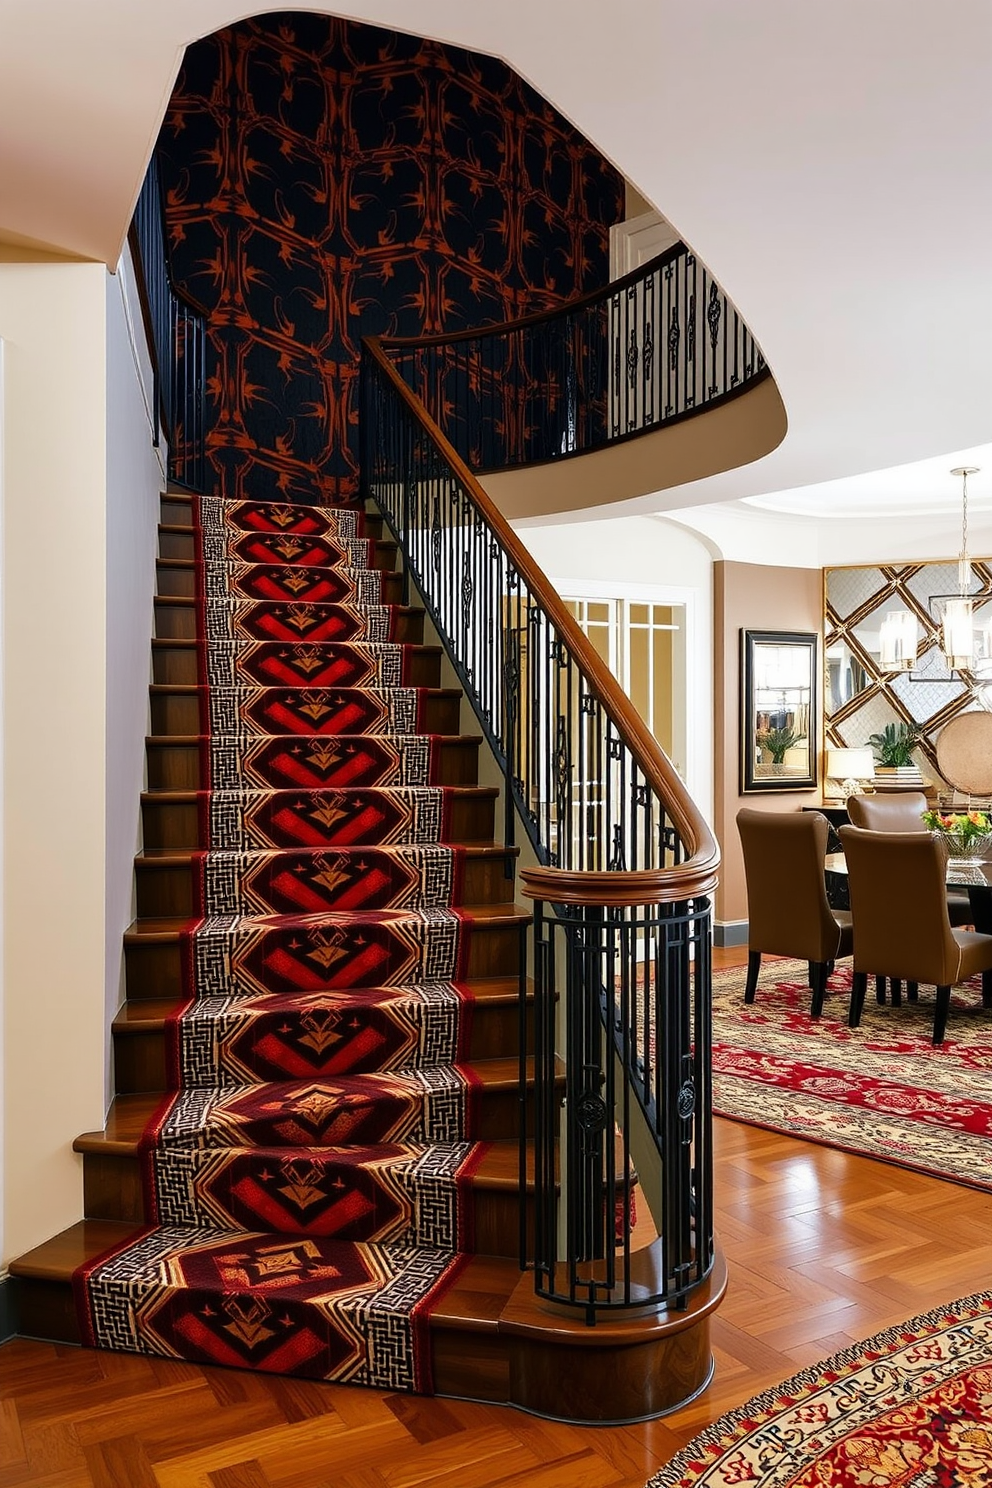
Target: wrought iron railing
[[622, 908], [177, 341], [654, 347]]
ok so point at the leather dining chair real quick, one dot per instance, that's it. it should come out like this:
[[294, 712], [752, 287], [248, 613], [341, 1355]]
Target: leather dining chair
[[787, 909], [902, 929], [902, 811]]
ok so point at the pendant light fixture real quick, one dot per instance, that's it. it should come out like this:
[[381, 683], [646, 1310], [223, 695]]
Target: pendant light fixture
[[958, 627]]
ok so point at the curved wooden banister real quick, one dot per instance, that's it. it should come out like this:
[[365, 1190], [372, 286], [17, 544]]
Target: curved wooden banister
[[622, 917], [541, 317], [696, 875]]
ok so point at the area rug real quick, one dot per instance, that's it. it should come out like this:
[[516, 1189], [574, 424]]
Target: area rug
[[882, 1090], [909, 1408]]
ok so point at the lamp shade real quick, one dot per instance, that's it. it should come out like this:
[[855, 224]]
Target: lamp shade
[[897, 641], [850, 764], [958, 640]]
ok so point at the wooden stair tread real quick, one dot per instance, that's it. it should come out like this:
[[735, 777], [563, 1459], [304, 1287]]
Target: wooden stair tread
[[149, 1016], [57, 1258], [161, 740], [191, 689], [129, 1114], [167, 930], [173, 857], [190, 797]]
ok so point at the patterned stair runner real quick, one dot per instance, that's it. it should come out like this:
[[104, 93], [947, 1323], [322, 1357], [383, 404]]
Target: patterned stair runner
[[307, 1169]]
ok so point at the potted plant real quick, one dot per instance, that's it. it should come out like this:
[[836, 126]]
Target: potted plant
[[778, 741], [894, 750]]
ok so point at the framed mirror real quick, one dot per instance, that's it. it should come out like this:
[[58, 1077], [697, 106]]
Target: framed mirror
[[778, 710]]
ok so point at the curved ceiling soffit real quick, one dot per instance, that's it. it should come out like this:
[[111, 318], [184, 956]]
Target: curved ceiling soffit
[[817, 192]]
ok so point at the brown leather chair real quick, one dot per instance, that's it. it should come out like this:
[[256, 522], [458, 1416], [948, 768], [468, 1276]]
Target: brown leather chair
[[898, 811], [787, 909], [902, 811], [901, 925]]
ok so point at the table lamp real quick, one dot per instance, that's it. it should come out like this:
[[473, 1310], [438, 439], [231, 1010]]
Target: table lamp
[[850, 770]]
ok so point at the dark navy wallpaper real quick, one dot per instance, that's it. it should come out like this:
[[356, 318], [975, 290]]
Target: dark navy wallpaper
[[327, 180]]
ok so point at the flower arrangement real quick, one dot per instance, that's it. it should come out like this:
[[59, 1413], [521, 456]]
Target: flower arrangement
[[967, 833]]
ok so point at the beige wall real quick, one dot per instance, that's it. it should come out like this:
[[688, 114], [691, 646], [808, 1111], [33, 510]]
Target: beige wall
[[52, 322], [751, 596]]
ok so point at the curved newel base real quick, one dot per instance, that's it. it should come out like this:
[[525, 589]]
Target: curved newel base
[[544, 1359]]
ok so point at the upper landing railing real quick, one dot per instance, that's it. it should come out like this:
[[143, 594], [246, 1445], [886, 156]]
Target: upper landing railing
[[177, 339], [657, 346]]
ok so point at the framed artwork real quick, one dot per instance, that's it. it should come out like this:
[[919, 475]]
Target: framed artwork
[[778, 710]]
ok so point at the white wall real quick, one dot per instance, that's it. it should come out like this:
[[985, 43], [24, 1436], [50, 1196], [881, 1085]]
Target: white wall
[[52, 321], [647, 551], [134, 480]]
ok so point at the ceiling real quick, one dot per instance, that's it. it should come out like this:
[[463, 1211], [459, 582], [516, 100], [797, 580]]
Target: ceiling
[[829, 161]]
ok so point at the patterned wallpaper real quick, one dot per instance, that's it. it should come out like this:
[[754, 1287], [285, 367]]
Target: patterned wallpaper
[[327, 180], [859, 699]]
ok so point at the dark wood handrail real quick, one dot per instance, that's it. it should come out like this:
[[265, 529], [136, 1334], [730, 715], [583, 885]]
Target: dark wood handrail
[[540, 317], [697, 874]]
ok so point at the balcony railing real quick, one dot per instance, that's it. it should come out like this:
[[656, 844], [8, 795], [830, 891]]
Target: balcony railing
[[177, 340], [660, 345]]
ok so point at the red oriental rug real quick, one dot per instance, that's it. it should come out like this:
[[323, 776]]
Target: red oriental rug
[[882, 1090], [909, 1408]]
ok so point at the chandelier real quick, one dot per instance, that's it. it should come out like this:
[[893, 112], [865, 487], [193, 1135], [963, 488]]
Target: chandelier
[[958, 639]]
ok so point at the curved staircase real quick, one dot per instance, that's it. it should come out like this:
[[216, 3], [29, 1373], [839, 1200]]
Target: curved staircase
[[312, 1161]]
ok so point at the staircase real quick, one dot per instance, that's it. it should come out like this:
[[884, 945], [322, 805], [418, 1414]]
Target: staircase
[[312, 1161], [226, 1154], [256, 1089]]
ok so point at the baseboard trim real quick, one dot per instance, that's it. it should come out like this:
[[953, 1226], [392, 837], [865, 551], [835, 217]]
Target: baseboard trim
[[8, 1315], [730, 933]]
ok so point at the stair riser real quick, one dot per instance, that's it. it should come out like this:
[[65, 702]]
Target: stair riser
[[154, 970], [180, 713], [177, 666], [173, 824], [112, 1189], [167, 891], [177, 621], [176, 511], [183, 545], [177, 766], [174, 577], [140, 1063]]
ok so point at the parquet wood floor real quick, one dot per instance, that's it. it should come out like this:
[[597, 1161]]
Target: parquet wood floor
[[823, 1249]]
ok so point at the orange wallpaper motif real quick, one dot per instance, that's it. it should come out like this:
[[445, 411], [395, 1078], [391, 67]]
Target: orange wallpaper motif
[[326, 180]]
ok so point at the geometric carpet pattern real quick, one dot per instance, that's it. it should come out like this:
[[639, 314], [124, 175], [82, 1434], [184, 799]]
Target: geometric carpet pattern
[[306, 1171], [882, 1090], [909, 1408]]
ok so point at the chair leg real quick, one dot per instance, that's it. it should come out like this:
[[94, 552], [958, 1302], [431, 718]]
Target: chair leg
[[753, 967], [896, 992], [818, 982], [859, 986], [940, 1015], [880, 990], [913, 991], [987, 988]]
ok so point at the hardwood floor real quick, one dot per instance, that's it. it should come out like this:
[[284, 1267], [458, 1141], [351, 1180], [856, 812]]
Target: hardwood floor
[[823, 1249]]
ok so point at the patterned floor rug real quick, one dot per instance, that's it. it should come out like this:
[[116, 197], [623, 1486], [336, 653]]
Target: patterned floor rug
[[909, 1408], [881, 1090]]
